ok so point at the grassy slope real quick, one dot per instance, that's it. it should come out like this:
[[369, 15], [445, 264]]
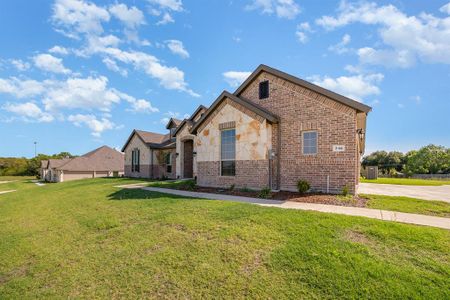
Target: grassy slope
[[89, 239], [409, 205], [406, 181]]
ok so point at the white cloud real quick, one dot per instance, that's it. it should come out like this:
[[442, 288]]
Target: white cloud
[[388, 58], [131, 17], [50, 63], [21, 88], [143, 106], [29, 112], [97, 126], [301, 32], [170, 77], [20, 64], [417, 99], [112, 65], [445, 8], [89, 94], [356, 87], [341, 47], [59, 50], [175, 5], [287, 9], [176, 47], [80, 93], [235, 78], [170, 114], [407, 38], [166, 19], [78, 16]]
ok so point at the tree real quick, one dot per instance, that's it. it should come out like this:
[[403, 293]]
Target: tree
[[430, 159], [387, 162]]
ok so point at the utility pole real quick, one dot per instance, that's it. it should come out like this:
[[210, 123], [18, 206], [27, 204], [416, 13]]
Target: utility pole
[[35, 143]]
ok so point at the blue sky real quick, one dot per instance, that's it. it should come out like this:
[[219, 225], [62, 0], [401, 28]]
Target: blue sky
[[77, 74]]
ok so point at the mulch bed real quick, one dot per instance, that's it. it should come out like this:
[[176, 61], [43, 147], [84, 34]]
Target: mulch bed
[[320, 198]]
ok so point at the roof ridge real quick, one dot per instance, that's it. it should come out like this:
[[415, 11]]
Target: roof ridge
[[306, 84]]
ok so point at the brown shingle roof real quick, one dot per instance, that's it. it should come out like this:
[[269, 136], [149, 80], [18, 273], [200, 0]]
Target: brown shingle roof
[[320, 90], [100, 159], [55, 163]]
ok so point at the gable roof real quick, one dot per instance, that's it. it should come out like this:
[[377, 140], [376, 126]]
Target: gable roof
[[57, 162], [147, 137], [100, 159], [332, 95], [247, 104], [175, 122], [190, 121], [44, 164], [199, 109]]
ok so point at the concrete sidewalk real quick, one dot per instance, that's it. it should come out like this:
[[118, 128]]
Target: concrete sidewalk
[[439, 193], [384, 215], [4, 192]]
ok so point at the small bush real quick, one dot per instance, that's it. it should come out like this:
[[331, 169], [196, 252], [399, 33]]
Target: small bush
[[246, 190], [232, 187], [189, 185], [303, 186], [345, 190], [265, 193]]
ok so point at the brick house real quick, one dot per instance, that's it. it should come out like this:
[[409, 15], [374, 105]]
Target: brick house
[[151, 155], [274, 130]]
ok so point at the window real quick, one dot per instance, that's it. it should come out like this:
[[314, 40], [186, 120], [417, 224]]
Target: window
[[264, 89], [172, 131], [135, 160], [228, 152], [310, 142], [168, 161]]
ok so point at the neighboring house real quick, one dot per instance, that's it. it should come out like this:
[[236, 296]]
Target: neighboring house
[[101, 162], [151, 155], [274, 130]]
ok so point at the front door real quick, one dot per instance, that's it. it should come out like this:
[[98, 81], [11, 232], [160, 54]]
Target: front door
[[188, 159]]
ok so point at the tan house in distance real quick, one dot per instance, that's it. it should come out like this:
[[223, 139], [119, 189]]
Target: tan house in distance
[[274, 130], [101, 162]]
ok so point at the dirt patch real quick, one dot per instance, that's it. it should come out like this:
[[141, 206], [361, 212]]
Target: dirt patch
[[357, 237], [21, 271]]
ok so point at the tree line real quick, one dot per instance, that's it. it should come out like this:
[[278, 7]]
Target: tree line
[[430, 159], [21, 166]]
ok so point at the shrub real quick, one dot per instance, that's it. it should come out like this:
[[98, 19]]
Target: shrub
[[303, 186], [232, 187], [189, 185], [345, 190], [265, 193]]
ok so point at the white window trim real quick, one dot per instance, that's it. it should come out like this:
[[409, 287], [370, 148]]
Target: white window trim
[[303, 142]]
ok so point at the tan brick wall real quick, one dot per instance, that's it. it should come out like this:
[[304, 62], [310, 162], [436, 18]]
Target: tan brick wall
[[300, 110], [249, 174]]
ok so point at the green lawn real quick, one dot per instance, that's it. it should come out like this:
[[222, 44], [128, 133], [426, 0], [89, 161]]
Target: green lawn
[[88, 239], [409, 205], [406, 181]]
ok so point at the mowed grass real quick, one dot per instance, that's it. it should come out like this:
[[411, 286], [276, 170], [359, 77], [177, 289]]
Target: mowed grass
[[88, 239], [409, 205], [407, 181]]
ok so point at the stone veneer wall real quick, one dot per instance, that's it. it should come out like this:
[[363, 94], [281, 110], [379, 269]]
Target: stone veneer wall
[[253, 140], [301, 110]]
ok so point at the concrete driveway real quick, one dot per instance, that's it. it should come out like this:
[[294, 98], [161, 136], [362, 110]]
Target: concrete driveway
[[441, 193]]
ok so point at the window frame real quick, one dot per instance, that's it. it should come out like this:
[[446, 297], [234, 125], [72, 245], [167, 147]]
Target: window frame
[[168, 164], [221, 158], [260, 94], [317, 142], [135, 160]]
